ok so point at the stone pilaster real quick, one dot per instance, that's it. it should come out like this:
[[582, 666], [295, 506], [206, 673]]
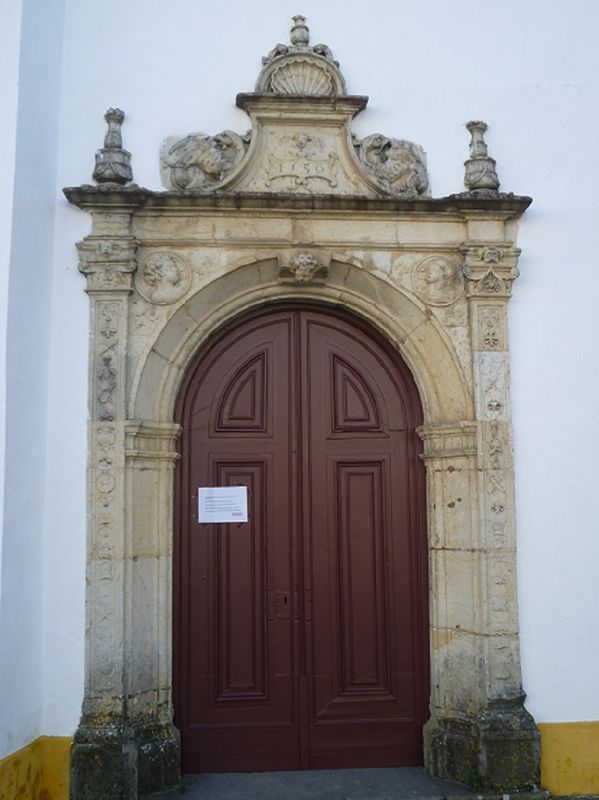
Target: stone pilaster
[[115, 746], [494, 744]]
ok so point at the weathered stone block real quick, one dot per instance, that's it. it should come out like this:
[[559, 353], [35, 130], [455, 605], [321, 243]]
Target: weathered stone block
[[122, 761], [495, 751]]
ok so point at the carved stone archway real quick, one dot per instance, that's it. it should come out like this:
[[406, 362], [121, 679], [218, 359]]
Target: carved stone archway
[[299, 210]]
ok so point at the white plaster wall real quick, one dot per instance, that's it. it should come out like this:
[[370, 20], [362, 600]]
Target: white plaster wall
[[30, 226], [530, 69], [10, 37]]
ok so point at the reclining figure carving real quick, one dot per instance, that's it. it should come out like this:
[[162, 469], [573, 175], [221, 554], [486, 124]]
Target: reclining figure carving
[[199, 162], [398, 166]]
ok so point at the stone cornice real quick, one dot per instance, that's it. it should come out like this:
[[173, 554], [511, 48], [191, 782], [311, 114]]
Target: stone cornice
[[92, 198], [352, 104]]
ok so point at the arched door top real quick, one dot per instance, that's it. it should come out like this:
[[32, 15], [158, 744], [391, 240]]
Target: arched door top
[[402, 321]]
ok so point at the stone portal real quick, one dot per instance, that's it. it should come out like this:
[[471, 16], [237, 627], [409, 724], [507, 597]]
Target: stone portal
[[299, 210]]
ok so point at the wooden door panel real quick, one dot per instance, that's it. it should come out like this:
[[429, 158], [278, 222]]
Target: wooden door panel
[[364, 655], [237, 708], [362, 582], [240, 648]]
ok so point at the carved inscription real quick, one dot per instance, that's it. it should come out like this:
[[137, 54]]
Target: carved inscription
[[303, 160]]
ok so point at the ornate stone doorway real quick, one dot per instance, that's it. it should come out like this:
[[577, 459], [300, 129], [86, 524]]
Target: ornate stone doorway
[[299, 211]]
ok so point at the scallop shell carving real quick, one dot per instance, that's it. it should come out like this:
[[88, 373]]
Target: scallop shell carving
[[301, 76]]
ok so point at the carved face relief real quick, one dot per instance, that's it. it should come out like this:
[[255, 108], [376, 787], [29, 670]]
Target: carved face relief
[[437, 281], [304, 268], [163, 278]]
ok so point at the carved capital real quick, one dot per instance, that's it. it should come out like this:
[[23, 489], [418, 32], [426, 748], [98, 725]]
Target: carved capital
[[152, 440], [489, 269], [108, 263], [449, 441], [305, 267]]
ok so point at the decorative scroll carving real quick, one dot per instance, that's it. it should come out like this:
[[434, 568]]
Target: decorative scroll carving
[[480, 175], [113, 164], [438, 281], [200, 163], [298, 68], [163, 278], [397, 166], [304, 268]]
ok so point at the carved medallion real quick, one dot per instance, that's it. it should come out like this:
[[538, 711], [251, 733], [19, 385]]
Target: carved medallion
[[438, 281], [163, 278]]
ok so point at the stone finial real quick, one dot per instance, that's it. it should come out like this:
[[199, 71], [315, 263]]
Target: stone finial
[[299, 68], [299, 33], [480, 171], [113, 163]]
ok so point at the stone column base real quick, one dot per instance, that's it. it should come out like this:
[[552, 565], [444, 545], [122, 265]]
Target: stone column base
[[124, 760], [498, 750]]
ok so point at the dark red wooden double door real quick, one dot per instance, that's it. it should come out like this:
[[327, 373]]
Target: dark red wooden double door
[[301, 636]]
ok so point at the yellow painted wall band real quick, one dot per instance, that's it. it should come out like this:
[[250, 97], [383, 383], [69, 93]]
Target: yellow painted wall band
[[39, 771], [569, 764], [570, 757]]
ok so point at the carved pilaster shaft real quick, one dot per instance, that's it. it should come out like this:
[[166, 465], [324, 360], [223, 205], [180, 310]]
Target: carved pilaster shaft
[[490, 270], [151, 455], [483, 736], [108, 265], [125, 745], [456, 561]]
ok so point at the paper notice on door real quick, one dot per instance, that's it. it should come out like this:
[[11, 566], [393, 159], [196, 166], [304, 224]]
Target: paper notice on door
[[223, 504]]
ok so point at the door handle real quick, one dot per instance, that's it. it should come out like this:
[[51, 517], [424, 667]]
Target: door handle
[[308, 603]]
